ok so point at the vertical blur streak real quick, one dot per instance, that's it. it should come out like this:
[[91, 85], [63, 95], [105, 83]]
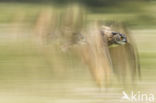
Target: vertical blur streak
[[96, 55], [125, 58], [45, 25], [72, 22]]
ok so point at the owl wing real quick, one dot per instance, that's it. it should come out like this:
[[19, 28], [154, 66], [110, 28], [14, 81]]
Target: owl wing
[[96, 55], [125, 60]]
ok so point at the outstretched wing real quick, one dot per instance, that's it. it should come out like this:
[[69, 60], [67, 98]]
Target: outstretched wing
[[95, 53], [125, 58]]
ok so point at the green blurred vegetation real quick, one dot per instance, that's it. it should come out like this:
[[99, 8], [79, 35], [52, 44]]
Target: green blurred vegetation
[[134, 14]]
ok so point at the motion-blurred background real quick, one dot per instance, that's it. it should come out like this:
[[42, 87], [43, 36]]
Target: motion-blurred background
[[32, 70]]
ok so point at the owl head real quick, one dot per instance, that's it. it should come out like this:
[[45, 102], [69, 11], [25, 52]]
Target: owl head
[[118, 38], [113, 37]]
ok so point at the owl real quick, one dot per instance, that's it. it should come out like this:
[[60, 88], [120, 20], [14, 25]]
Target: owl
[[108, 53]]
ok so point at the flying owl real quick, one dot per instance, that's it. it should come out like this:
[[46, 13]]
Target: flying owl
[[107, 52]]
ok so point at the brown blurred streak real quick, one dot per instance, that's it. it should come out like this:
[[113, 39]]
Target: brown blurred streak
[[95, 55], [125, 58], [45, 24], [72, 22]]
